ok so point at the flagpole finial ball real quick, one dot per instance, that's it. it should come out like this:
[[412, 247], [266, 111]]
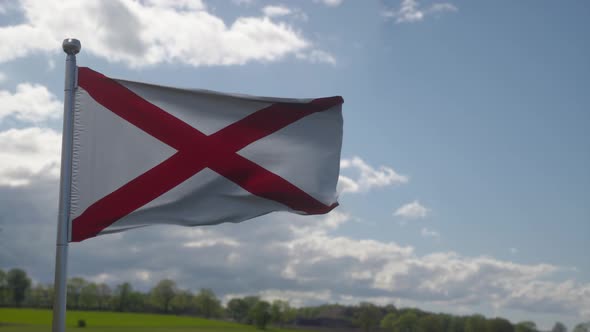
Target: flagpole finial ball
[[71, 46]]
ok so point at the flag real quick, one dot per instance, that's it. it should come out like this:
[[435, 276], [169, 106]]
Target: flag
[[146, 154]]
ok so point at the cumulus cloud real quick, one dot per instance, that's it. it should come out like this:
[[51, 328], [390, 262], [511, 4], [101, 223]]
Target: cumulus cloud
[[367, 177], [50, 65], [243, 2], [317, 56], [178, 4], [412, 210], [140, 33], [302, 259], [29, 103], [330, 3], [411, 11], [281, 11], [544, 296], [271, 11], [427, 232], [28, 154]]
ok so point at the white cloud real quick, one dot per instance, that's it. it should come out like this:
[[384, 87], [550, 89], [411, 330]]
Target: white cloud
[[27, 154], [412, 210], [330, 3], [442, 7], [211, 243], [427, 232], [30, 103], [178, 4], [368, 177], [280, 11], [50, 65], [545, 296], [295, 298], [148, 33], [410, 11], [272, 11], [32, 153], [317, 56], [347, 185], [243, 2]]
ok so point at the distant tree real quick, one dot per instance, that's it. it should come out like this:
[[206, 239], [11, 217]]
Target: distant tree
[[390, 308], [207, 303], [388, 321], [444, 321], [499, 325], [430, 323], [368, 316], [526, 326], [559, 327], [407, 322], [289, 315], [582, 327], [137, 302], [75, 286], [18, 284], [456, 324], [89, 296], [122, 298], [250, 301], [307, 312], [4, 297], [475, 323], [103, 293], [162, 294], [260, 314], [275, 311], [238, 309], [281, 312], [41, 296], [183, 302]]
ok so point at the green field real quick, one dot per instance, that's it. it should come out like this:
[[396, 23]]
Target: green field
[[33, 320]]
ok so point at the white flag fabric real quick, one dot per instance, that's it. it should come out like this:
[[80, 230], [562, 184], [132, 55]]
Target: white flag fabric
[[146, 154]]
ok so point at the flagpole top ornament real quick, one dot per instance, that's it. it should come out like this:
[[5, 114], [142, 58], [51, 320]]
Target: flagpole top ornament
[[71, 46]]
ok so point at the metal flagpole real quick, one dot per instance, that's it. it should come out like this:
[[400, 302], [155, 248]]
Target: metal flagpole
[[71, 47]]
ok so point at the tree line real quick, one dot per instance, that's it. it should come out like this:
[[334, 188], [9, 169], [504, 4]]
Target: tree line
[[17, 290]]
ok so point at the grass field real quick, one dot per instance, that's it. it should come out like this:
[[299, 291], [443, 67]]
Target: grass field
[[33, 320]]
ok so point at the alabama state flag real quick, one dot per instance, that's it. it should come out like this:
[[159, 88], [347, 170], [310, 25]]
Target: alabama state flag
[[145, 154]]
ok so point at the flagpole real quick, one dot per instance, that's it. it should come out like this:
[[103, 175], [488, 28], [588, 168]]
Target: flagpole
[[71, 47]]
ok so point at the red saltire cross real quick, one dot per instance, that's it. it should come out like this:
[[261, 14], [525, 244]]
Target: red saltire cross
[[195, 151]]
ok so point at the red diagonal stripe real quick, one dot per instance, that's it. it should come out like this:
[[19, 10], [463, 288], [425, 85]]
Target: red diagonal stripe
[[133, 195], [257, 125], [196, 151], [136, 110], [260, 182]]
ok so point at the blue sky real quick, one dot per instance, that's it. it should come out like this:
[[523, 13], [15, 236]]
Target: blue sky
[[466, 143]]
